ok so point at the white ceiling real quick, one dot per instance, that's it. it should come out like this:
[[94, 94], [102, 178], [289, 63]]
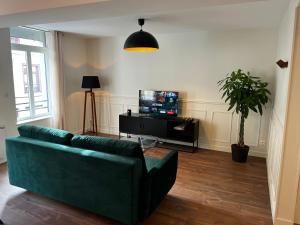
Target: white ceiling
[[119, 17], [17, 6]]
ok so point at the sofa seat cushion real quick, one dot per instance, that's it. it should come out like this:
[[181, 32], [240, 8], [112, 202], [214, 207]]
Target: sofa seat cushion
[[112, 146], [46, 134]]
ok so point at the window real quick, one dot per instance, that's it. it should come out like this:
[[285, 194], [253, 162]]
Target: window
[[36, 77], [30, 57]]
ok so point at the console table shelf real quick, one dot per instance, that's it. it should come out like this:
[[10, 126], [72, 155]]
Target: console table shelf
[[160, 127]]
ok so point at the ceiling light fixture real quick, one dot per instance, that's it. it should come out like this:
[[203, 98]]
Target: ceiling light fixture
[[141, 41]]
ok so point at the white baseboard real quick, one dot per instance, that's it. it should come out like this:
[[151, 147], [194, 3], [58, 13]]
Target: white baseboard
[[281, 221], [227, 148]]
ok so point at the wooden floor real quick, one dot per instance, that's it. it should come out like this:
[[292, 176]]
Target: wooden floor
[[210, 190]]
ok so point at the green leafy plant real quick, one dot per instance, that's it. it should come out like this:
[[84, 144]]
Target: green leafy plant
[[244, 93]]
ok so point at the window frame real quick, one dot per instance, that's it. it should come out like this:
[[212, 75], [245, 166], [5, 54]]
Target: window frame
[[28, 49]]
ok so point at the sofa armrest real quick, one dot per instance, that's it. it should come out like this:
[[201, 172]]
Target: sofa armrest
[[160, 180]]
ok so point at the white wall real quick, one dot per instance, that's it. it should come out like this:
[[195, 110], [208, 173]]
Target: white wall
[[288, 199], [7, 98], [297, 210], [278, 114], [290, 169], [74, 50], [190, 63]]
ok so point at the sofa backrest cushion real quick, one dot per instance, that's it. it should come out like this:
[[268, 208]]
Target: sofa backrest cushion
[[112, 146], [46, 134]]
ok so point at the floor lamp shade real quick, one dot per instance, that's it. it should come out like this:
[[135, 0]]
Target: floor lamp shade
[[90, 82]]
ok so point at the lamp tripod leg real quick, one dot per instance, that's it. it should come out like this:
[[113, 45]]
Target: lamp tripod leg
[[95, 114], [93, 107], [84, 113]]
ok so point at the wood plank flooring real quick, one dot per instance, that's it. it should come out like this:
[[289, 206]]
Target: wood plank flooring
[[210, 190]]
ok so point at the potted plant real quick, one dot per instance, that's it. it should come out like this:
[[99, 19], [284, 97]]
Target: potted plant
[[244, 93]]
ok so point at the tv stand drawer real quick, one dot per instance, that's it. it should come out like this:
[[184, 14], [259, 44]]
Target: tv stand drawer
[[154, 127], [129, 124], [143, 126]]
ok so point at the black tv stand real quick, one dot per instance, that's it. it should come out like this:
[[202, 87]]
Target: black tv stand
[[160, 127]]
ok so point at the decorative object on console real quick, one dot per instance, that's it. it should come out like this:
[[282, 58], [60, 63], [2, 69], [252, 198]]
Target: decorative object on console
[[141, 41], [129, 112], [182, 126], [282, 64], [244, 93], [90, 82]]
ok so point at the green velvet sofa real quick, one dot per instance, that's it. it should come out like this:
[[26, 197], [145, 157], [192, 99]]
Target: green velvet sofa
[[105, 176]]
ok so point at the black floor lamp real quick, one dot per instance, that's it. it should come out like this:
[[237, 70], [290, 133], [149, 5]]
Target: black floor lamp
[[90, 82]]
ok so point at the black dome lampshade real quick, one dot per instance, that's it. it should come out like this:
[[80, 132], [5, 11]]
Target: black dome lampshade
[[141, 41], [90, 82]]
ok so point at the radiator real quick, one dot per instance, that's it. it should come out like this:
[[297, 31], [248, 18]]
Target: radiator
[[2, 143]]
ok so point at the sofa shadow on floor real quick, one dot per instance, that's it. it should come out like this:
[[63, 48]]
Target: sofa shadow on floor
[[29, 208]]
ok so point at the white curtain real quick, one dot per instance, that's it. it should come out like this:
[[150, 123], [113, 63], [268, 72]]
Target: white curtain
[[54, 39]]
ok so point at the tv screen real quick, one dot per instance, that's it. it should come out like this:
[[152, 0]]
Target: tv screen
[[158, 102]]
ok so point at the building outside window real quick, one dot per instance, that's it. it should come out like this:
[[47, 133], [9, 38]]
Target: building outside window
[[30, 69]]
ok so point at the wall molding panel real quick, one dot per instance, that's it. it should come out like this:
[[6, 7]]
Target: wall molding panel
[[274, 152], [218, 127]]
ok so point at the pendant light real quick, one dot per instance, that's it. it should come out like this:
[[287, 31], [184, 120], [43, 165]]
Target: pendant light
[[141, 41]]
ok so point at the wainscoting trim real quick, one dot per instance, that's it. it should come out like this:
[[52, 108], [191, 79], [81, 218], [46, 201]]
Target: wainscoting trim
[[218, 127]]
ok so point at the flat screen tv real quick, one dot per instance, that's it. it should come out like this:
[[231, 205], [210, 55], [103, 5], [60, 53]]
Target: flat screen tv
[[158, 103]]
